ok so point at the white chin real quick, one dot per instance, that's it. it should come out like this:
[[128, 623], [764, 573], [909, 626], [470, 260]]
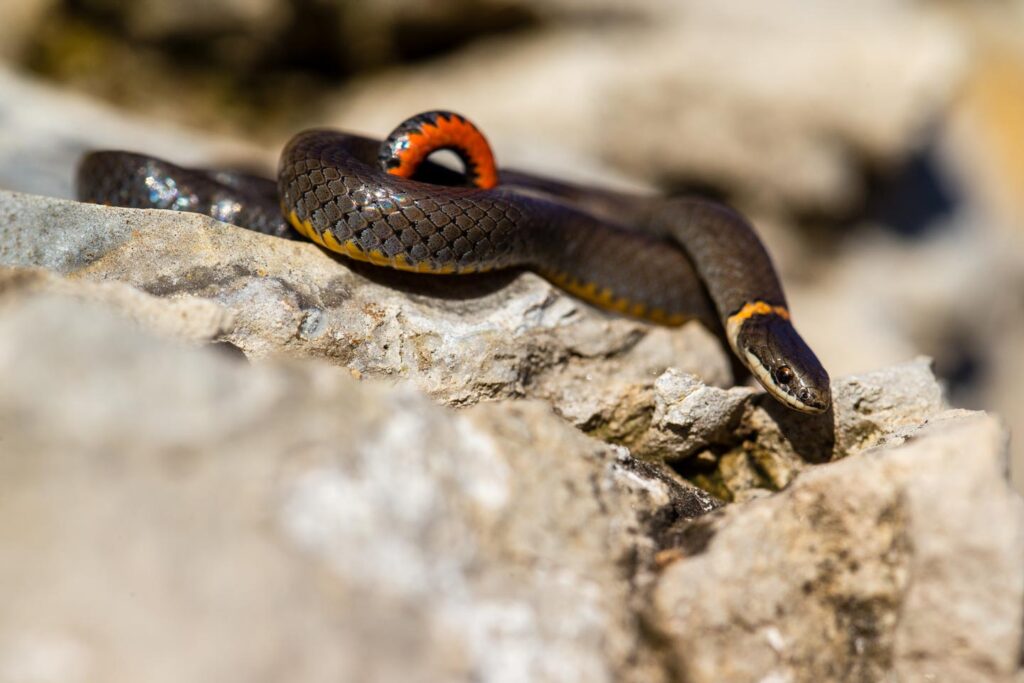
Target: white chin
[[765, 378]]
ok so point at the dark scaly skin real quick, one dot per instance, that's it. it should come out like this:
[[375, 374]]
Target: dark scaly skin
[[141, 182], [404, 151], [734, 266], [748, 297], [666, 260], [335, 194]]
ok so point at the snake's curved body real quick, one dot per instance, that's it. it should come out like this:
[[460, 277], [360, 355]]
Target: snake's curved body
[[665, 260]]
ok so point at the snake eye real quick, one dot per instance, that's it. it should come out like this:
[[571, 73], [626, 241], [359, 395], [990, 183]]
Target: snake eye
[[784, 375]]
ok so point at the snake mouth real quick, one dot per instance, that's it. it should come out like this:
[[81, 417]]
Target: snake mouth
[[780, 359], [805, 399]]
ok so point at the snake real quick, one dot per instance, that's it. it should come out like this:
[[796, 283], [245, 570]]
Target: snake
[[663, 259]]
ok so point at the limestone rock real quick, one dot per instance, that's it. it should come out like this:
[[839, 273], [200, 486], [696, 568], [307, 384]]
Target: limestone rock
[[402, 540], [902, 562], [45, 131], [172, 514], [197, 320], [745, 95], [461, 339], [231, 520], [689, 416], [734, 440]]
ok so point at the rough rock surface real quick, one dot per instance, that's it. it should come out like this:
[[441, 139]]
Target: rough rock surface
[[708, 77], [171, 513], [40, 150], [737, 440], [497, 543], [193, 320], [234, 521], [891, 565], [461, 339]]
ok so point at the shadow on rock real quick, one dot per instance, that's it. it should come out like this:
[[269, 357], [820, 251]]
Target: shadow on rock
[[813, 437]]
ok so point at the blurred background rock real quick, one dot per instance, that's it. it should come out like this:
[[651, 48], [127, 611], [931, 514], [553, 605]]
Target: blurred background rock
[[879, 145]]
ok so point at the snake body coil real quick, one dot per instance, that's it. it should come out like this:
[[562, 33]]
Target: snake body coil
[[667, 260]]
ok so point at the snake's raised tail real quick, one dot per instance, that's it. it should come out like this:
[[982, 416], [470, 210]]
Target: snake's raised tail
[[386, 203]]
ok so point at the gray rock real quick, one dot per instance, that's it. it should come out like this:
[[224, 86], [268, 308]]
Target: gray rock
[[689, 416], [460, 339], [44, 131], [734, 440], [172, 514], [281, 516], [901, 563], [192, 319], [747, 97], [463, 340], [372, 535]]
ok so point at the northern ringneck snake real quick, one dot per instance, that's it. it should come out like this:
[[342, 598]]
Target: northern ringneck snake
[[664, 259]]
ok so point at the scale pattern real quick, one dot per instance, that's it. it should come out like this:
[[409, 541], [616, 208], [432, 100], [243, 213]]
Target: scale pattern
[[142, 182], [666, 260], [333, 194]]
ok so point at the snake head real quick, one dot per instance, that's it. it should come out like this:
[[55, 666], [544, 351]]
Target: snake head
[[770, 346]]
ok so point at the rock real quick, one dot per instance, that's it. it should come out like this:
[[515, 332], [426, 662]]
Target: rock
[[197, 320], [735, 441], [45, 132], [365, 531], [171, 514], [689, 416], [460, 339], [928, 302], [746, 96], [901, 562], [232, 521]]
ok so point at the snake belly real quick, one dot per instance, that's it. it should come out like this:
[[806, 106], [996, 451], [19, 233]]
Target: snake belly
[[661, 259]]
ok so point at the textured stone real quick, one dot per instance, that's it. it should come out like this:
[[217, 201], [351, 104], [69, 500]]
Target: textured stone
[[901, 563], [45, 131], [191, 319], [746, 95], [735, 440], [689, 416], [461, 339], [228, 520], [171, 514]]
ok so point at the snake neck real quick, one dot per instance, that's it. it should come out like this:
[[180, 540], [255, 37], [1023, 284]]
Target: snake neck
[[616, 269], [725, 250]]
